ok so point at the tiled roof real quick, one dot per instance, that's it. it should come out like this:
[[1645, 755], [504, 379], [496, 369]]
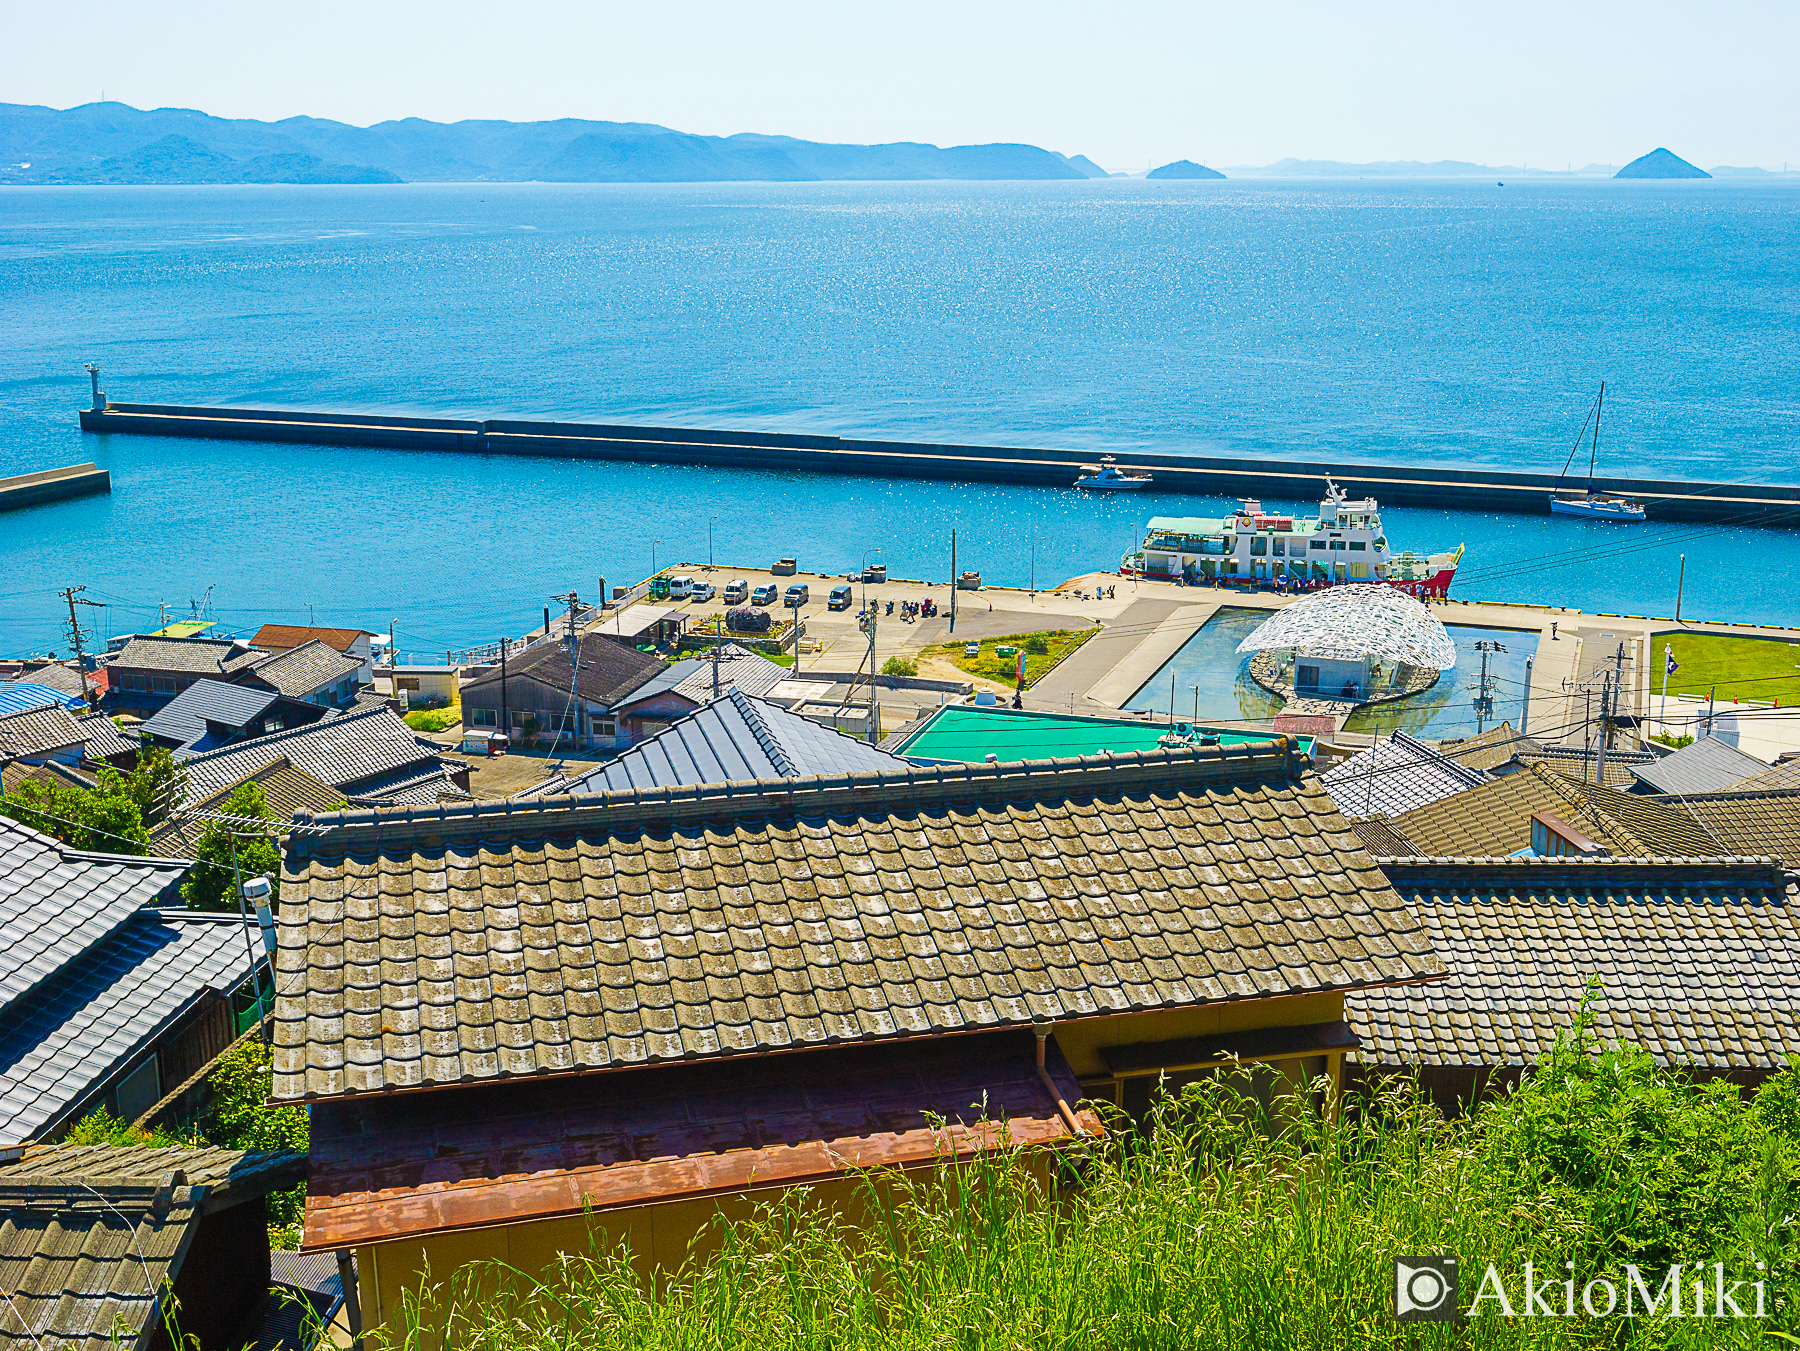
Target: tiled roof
[[301, 671], [739, 668], [191, 656], [39, 730], [89, 1234], [1698, 962], [1381, 838], [81, 1025], [734, 737], [345, 752], [453, 944], [55, 901], [409, 786], [1575, 762], [610, 670], [1494, 820], [1705, 766], [15, 772], [184, 718], [1491, 749], [286, 790], [1395, 775], [18, 695], [52, 675], [1782, 774], [277, 637], [1766, 822], [104, 739]]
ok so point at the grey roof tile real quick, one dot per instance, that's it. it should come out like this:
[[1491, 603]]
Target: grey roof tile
[[304, 670], [84, 1022], [37, 731], [1696, 958], [104, 740], [676, 922], [184, 718], [1705, 766], [1395, 775], [187, 656], [56, 901], [345, 752], [610, 670]]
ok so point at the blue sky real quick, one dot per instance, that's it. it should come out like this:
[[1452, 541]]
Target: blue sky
[[1127, 84]]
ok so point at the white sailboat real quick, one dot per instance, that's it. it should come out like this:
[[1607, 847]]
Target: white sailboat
[[1595, 506]]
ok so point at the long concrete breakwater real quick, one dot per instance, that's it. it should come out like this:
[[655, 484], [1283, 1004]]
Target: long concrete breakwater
[[53, 485], [1278, 480]]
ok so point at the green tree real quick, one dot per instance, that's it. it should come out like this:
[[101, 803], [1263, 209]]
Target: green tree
[[209, 887], [105, 820], [241, 1081], [158, 785], [899, 666]]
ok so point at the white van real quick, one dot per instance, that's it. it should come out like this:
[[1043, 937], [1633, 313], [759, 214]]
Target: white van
[[680, 588], [737, 592]]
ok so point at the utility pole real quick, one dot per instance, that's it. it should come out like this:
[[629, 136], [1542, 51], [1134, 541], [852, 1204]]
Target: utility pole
[[393, 661], [953, 580], [709, 542], [1606, 692], [72, 594], [874, 690], [1525, 713], [505, 712], [571, 641], [1620, 694], [1484, 693]]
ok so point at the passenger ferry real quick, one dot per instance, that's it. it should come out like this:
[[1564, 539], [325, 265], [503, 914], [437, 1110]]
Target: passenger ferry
[[1345, 542]]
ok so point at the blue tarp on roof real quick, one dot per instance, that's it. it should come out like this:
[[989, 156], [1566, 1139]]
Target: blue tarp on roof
[[16, 696]]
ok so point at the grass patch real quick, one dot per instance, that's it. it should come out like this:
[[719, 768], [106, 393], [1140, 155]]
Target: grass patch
[[1220, 1225], [1765, 669], [434, 719], [1042, 651]]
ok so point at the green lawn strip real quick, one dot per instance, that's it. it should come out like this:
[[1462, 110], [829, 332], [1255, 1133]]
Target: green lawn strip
[[1765, 669], [990, 665]]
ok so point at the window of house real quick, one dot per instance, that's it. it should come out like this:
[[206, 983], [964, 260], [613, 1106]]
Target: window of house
[[162, 684], [605, 727], [139, 1091], [409, 683], [483, 717], [136, 682]]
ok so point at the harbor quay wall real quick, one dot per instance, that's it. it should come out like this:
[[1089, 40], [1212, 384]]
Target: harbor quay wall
[[53, 485], [1279, 480]]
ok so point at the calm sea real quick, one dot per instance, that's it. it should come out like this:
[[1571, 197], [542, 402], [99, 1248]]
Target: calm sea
[[1453, 322]]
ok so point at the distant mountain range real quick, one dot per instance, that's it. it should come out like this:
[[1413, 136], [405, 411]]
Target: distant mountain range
[[114, 143], [1449, 168]]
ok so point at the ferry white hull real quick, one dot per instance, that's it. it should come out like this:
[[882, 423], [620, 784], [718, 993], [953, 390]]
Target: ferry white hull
[[1597, 508]]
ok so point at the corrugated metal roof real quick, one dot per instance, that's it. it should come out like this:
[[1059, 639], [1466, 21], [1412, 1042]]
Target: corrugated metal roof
[[1696, 960], [1396, 775], [56, 901], [739, 668], [732, 738], [183, 719], [18, 695], [82, 1024], [1709, 765]]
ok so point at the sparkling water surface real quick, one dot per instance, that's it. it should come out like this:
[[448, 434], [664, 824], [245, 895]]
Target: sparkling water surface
[[1420, 322]]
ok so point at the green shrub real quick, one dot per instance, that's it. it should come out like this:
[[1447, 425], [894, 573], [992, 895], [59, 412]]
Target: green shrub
[[240, 1119], [434, 719], [899, 666], [1037, 645], [101, 1127]]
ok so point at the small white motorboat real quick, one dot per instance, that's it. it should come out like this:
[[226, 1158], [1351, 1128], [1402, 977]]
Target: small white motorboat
[[1107, 474], [1595, 506]]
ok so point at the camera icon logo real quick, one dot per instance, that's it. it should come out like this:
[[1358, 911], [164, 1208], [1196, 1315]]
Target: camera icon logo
[[1424, 1289]]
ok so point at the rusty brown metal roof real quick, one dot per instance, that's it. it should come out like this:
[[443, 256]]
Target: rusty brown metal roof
[[413, 1165], [450, 945], [1698, 961]]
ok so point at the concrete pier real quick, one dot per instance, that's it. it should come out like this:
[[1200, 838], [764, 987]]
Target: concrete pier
[[1278, 480], [53, 485]]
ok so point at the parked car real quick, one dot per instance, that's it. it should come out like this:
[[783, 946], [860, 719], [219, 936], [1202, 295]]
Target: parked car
[[703, 592], [746, 620], [765, 594], [786, 567], [680, 588], [737, 592], [797, 594], [842, 598]]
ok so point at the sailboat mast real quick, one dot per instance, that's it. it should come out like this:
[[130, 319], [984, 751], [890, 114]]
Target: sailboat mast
[[1599, 408]]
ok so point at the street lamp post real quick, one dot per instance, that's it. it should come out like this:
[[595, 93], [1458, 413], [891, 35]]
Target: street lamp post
[[1196, 690], [653, 545], [868, 613], [1035, 541], [709, 543]]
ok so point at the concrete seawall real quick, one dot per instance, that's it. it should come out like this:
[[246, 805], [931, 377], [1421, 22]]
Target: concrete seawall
[[1278, 480], [53, 485]]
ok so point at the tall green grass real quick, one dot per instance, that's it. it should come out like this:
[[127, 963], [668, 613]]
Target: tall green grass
[[1218, 1226]]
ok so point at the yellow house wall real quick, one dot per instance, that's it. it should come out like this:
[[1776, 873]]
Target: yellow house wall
[[1082, 1042]]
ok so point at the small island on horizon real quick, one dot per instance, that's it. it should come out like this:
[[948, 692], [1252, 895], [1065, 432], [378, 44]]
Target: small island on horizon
[[1184, 168], [1661, 163]]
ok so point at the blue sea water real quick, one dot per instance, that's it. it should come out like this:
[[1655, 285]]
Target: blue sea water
[[1433, 321]]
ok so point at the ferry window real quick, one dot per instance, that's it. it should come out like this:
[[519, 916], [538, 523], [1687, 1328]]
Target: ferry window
[[1259, 546], [1337, 544], [1280, 546], [1318, 544], [1357, 546]]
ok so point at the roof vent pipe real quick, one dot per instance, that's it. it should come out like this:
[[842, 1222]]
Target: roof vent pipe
[[259, 892]]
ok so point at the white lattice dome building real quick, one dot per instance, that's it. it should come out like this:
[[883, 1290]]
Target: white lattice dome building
[[1350, 641]]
